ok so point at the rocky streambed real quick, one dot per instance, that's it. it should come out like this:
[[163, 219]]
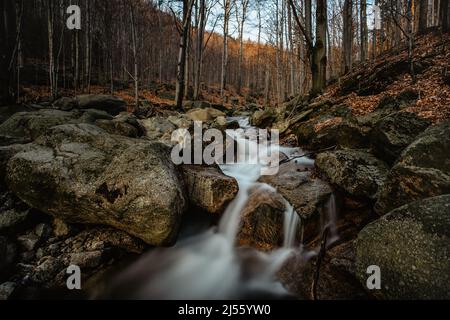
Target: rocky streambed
[[84, 182]]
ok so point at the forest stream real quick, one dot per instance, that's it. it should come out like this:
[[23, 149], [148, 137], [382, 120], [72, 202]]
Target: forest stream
[[210, 265]]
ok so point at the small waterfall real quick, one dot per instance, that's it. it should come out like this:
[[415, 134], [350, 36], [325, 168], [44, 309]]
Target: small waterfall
[[291, 225], [209, 265], [331, 220]]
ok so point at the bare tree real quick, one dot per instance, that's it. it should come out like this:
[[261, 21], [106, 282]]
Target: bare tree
[[184, 33], [347, 36], [364, 31], [226, 21], [241, 17]]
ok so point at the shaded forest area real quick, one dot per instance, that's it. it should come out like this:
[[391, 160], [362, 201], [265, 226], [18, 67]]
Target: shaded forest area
[[200, 44]]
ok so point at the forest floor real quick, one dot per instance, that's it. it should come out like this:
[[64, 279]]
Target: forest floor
[[388, 75]]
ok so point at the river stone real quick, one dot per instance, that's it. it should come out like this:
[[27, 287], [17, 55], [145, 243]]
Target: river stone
[[326, 131], [394, 133], [422, 171], [262, 220], [411, 245], [158, 128], [208, 188], [7, 290], [81, 174], [263, 118], [110, 104], [357, 172], [204, 115], [337, 275], [125, 124], [306, 193], [297, 185], [27, 126]]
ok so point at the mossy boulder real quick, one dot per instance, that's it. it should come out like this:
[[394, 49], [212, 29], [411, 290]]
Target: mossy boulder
[[422, 171], [357, 172], [81, 174], [392, 134], [411, 245]]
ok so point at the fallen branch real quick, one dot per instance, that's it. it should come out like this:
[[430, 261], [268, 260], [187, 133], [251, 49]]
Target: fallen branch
[[322, 252], [307, 154]]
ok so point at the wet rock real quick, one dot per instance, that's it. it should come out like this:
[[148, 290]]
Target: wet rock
[[181, 121], [392, 134], [7, 152], [158, 128], [46, 270], [307, 194], [8, 254], [208, 188], [263, 220], [11, 219], [411, 245], [204, 115], [27, 126], [7, 111], [92, 115], [336, 276], [263, 118], [60, 228], [81, 174], [297, 185], [65, 104], [221, 122], [125, 124], [422, 171], [189, 105], [89, 259], [7, 290], [327, 127], [357, 172], [29, 240], [110, 104]]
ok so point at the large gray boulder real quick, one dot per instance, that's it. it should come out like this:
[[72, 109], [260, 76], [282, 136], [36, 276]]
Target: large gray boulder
[[307, 194], [411, 245], [81, 174], [355, 171], [107, 103], [208, 188], [262, 220], [110, 104], [24, 127], [422, 171], [392, 134]]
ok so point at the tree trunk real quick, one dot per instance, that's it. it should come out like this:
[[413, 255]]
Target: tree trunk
[[364, 31], [179, 94], [423, 15], [226, 19], [347, 36], [199, 48], [7, 39], [319, 57], [444, 15], [51, 58], [135, 61]]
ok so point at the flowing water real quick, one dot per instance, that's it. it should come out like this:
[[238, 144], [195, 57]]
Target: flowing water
[[210, 265]]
